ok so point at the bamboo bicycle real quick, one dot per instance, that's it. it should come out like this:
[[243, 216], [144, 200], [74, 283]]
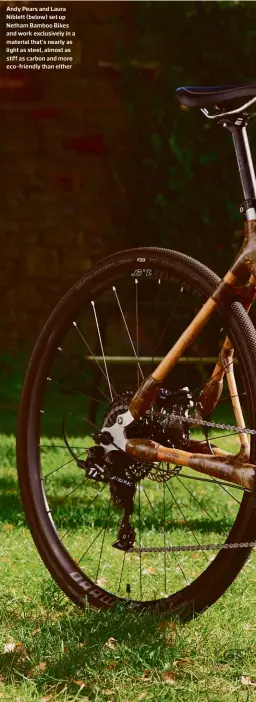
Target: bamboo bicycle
[[176, 455]]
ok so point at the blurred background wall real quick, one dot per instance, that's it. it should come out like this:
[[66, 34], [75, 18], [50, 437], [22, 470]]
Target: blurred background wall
[[102, 157]]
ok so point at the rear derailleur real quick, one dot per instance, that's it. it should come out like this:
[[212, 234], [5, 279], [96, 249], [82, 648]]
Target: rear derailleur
[[107, 469], [107, 461], [115, 470]]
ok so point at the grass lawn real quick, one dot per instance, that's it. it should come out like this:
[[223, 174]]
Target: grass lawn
[[50, 650]]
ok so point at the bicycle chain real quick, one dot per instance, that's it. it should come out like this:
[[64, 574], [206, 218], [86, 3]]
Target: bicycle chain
[[203, 547], [213, 425]]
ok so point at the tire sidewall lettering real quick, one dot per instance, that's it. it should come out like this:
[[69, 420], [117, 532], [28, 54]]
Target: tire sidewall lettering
[[90, 589]]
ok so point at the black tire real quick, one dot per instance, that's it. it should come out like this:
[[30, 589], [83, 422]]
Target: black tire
[[217, 577]]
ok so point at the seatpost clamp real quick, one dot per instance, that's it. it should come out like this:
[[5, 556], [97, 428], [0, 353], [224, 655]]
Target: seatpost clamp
[[247, 204]]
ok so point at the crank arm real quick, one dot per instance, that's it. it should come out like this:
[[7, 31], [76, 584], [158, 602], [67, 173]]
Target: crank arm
[[229, 468]]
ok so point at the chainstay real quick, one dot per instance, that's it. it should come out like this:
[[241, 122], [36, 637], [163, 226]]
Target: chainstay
[[203, 547]]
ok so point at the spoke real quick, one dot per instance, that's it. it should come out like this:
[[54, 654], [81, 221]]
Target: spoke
[[95, 497], [201, 387], [156, 316], [64, 464], [137, 326], [87, 507], [159, 522], [102, 348], [198, 501], [60, 446], [216, 482], [66, 533], [79, 416], [91, 544], [164, 538], [122, 570], [168, 322], [185, 520], [75, 391], [219, 436], [228, 493], [84, 481], [149, 501], [140, 542], [179, 566], [188, 373], [103, 540], [96, 361], [176, 559], [70, 360], [128, 332], [99, 533]]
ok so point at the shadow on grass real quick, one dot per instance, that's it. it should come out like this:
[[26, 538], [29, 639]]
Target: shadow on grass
[[11, 511], [75, 515], [78, 517], [90, 646], [8, 420]]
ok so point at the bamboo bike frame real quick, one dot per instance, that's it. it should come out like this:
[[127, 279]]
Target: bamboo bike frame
[[219, 463]]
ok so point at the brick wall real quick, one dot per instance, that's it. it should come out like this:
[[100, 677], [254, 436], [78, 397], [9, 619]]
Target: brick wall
[[101, 157], [66, 156]]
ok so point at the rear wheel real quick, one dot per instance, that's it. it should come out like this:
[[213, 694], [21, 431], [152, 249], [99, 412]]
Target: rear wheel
[[104, 336]]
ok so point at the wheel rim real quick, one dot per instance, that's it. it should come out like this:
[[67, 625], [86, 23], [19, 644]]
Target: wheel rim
[[153, 574]]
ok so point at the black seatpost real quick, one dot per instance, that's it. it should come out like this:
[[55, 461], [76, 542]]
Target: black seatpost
[[245, 167]]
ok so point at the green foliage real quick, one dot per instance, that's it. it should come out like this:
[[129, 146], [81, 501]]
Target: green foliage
[[186, 189]]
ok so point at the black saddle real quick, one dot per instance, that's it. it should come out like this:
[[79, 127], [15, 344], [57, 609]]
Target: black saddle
[[202, 96]]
